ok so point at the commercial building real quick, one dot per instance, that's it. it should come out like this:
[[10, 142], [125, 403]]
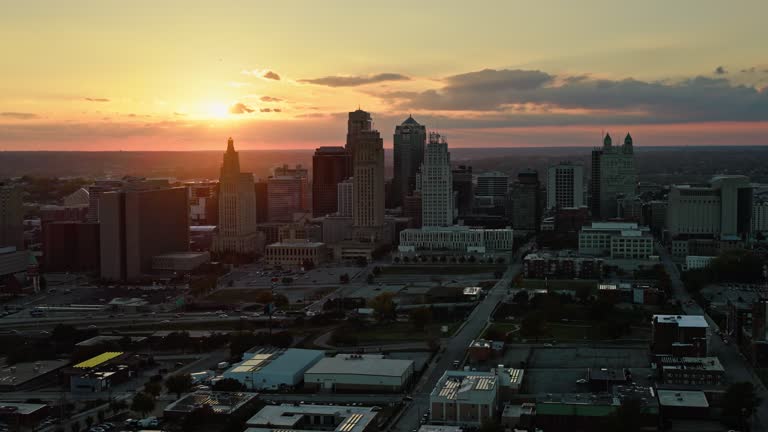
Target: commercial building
[[94, 196], [203, 202], [71, 246], [409, 141], [180, 261], [436, 184], [464, 398], [412, 209], [136, 225], [693, 262], [330, 166], [300, 418], [360, 373], [296, 253], [57, 213], [618, 240], [679, 404], [11, 217], [222, 405], [455, 238], [694, 371], [286, 196], [464, 188], [565, 185], [760, 218], [261, 188], [21, 376], [492, 184], [237, 207], [526, 204], [345, 197], [542, 265], [273, 368], [570, 219], [722, 209], [617, 176], [23, 416], [368, 173], [679, 335]]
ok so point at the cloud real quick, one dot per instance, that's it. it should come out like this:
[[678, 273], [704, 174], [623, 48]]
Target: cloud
[[270, 99], [96, 99], [517, 97], [240, 108], [18, 115], [262, 73], [354, 81], [266, 110], [720, 70], [271, 75]]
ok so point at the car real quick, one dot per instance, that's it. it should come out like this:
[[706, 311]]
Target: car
[[178, 315], [548, 345], [407, 398], [165, 322], [456, 363], [223, 315], [581, 381]]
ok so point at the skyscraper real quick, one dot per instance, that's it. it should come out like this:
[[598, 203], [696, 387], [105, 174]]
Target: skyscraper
[[345, 197], [618, 177], [492, 184], [565, 185], [436, 184], [330, 166], [237, 207], [409, 141], [286, 196], [367, 149], [11, 217], [464, 188], [526, 210], [136, 225], [594, 183], [262, 201]]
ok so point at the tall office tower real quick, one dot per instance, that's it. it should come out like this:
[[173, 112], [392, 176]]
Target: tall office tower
[[464, 188], [526, 208], [285, 170], [594, 183], [722, 209], [368, 162], [436, 184], [412, 208], [618, 177], [330, 166], [94, 193], [358, 122], [262, 201], [565, 185], [345, 197], [237, 207], [203, 202], [492, 184], [11, 217], [409, 141], [136, 225], [286, 196]]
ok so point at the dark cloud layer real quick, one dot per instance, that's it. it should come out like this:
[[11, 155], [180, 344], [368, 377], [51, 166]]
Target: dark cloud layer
[[720, 70], [240, 108], [18, 115], [269, 99], [96, 99], [354, 81], [272, 75]]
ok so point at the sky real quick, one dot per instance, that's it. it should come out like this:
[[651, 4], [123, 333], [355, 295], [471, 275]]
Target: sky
[[186, 74]]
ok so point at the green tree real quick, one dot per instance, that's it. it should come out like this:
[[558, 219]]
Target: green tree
[[421, 317], [143, 403], [153, 388], [383, 306], [739, 402], [180, 383]]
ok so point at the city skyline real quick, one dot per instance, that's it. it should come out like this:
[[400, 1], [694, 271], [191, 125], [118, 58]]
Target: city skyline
[[558, 76]]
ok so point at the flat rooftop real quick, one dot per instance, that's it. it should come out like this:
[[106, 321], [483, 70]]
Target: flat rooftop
[[467, 386], [276, 360], [99, 359], [355, 364], [23, 372], [21, 408], [274, 418], [220, 402], [680, 398], [697, 363], [683, 320], [182, 255]]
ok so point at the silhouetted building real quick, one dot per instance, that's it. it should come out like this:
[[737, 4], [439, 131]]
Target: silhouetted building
[[70, 246], [571, 219], [594, 183], [358, 122], [679, 335], [412, 209], [345, 197], [262, 202], [330, 166], [436, 184], [286, 196], [203, 202], [11, 217], [526, 207], [94, 194], [565, 185], [464, 189], [618, 177], [409, 141], [237, 207], [57, 213], [368, 162], [136, 225]]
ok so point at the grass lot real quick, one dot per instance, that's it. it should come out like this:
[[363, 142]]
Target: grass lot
[[537, 284], [398, 332], [440, 269], [570, 332]]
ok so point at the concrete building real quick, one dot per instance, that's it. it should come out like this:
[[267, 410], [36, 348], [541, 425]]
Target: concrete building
[[525, 198], [409, 140], [237, 207], [493, 184], [71, 246], [680, 404], [436, 184], [301, 418], [11, 217], [180, 261], [541, 265], [722, 209], [464, 398], [203, 202], [296, 253], [565, 185], [464, 188], [136, 225], [618, 176], [330, 167], [94, 195], [617, 240], [286, 196], [261, 188], [368, 173], [360, 373], [679, 335], [273, 368], [693, 262], [760, 218], [345, 197], [693, 371], [455, 238], [412, 209], [224, 406]]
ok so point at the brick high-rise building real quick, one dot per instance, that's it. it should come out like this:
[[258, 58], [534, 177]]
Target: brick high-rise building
[[330, 166]]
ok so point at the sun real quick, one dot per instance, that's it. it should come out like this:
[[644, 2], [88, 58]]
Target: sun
[[216, 110]]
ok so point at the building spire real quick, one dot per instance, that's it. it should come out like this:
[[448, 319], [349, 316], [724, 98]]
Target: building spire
[[230, 145]]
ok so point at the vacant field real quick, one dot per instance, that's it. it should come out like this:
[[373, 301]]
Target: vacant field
[[540, 284]]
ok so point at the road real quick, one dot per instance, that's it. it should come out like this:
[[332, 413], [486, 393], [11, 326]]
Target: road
[[455, 349], [737, 368]]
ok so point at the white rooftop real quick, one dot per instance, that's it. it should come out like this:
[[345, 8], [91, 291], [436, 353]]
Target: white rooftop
[[683, 320], [273, 418], [467, 386], [361, 365], [679, 398]]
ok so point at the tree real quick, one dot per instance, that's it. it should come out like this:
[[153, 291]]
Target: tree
[[383, 306], [533, 325], [229, 385], [180, 383], [143, 403], [421, 317], [89, 422], [739, 403], [153, 388]]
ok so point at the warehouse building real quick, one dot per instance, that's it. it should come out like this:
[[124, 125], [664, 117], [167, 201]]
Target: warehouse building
[[300, 417], [464, 398], [360, 373], [273, 368]]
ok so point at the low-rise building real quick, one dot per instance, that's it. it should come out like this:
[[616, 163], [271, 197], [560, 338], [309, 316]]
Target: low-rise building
[[180, 261], [23, 416], [679, 404], [695, 371], [296, 253], [464, 398], [456, 238], [542, 265], [273, 368], [603, 379], [693, 262], [515, 416], [223, 405], [300, 417], [679, 335], [617, 240], [22, 376], [360, 373]]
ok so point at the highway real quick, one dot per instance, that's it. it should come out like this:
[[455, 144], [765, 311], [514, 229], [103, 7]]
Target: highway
[[737, 368]]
